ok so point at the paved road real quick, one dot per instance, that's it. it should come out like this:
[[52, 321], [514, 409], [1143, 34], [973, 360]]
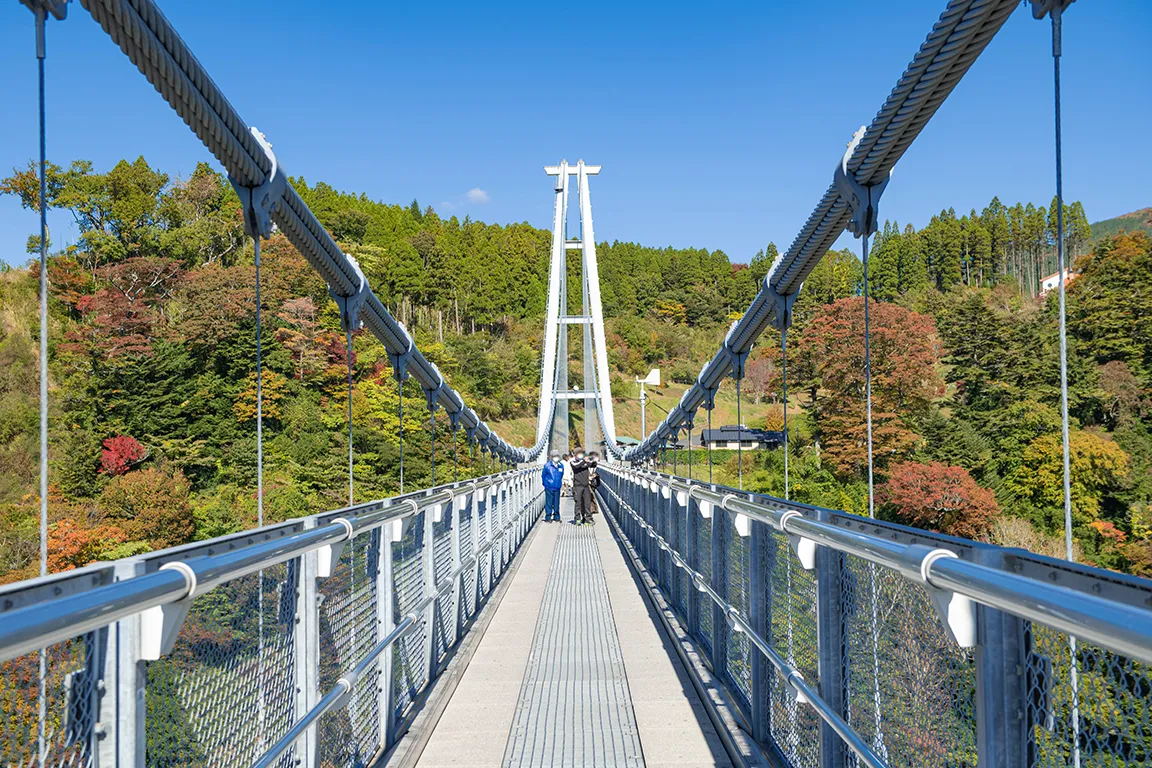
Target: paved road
[[574, 670]]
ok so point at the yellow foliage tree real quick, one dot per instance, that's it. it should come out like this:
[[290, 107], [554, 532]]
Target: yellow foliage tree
[[1097, 465]]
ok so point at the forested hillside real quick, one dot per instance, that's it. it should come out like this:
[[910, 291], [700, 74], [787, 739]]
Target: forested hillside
[[152, 358]]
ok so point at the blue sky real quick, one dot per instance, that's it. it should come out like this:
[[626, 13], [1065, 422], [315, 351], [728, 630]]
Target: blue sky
[[717, 127]]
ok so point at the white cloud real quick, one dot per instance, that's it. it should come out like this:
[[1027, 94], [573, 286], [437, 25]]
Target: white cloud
[[477, 195]]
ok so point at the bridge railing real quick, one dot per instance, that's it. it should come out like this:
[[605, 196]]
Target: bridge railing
[[851, 641], [302, 643]]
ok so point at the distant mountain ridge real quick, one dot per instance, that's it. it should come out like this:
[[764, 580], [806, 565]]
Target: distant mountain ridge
[[1136, 220]]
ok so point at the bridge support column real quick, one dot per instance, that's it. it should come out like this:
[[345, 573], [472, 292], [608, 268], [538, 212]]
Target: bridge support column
[[428, 561], [760, 614], [306, 649], [692, 555], [830, 639], [120, 716], [1002, 726], [720, 584], [385, 623]]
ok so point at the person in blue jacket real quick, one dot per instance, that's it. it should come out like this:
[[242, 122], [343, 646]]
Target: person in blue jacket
[[553, 478]]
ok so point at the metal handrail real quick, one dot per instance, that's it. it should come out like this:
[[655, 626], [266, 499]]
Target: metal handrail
[[1118, 627], [36, 626], [792, 676], [338, 696]]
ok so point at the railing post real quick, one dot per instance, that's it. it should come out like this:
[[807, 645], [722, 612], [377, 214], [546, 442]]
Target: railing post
[[760, 615], [720, 584], [385, 623], [1001, 682], [120, 720], [831, 636], [306, 648]]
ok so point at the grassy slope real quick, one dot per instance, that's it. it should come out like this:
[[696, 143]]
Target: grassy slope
[[522, 431]]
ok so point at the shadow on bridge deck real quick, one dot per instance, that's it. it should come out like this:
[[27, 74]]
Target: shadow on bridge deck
[[574, 670]]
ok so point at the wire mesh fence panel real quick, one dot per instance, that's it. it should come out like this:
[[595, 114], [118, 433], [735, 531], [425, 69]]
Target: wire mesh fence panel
[[1088, 706], [348, 632], [69, 679], [738, 659], [704, 566], [792, 632], [409, 659], [443, 634], [911, 690], [482, 520], [227, 690], [684, 581], [468, 589], [499, 519]]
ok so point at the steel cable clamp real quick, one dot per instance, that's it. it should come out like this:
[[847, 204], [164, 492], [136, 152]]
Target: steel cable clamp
[[260, 201], [862, 200], [350, 306]]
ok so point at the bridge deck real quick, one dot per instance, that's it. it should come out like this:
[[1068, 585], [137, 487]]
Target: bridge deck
[[574, 670]]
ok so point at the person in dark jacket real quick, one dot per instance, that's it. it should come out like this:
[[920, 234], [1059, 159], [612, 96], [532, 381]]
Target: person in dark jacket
[[552, 477], [593, 482], [581, 492]]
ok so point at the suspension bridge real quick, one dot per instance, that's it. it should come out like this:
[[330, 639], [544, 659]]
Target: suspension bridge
[[693, 625]]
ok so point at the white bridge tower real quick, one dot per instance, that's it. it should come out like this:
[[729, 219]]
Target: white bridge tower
[[595, 391]]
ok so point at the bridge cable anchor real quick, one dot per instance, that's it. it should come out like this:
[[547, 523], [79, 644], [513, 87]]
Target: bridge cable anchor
[[329, 554], [957, 613], [161, 624], [805, 549]]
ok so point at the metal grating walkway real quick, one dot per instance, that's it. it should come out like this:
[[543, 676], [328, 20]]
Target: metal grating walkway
[[574, 707]]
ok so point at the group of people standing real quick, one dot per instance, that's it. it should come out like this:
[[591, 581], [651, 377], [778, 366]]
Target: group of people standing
[[574, 474]]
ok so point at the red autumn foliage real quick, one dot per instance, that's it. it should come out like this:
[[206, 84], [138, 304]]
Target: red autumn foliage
[[829, 363], [118, 319], [940, 498], [119, 454]]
